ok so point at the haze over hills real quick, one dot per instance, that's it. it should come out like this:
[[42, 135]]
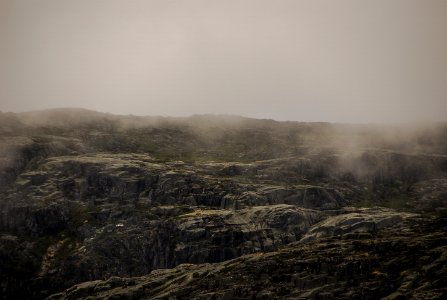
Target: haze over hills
[[304, 156], [220, 207], [305, 60]]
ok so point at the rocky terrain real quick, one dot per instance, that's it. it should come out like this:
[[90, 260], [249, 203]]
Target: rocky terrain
[[218, 207]]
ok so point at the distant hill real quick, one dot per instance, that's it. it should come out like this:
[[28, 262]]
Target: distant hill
[[220, 136]]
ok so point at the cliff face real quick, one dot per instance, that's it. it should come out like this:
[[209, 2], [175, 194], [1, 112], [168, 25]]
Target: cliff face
[[261, 209]]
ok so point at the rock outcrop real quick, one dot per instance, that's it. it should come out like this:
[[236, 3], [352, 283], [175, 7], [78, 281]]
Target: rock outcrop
[[408, 264], [103, 206]]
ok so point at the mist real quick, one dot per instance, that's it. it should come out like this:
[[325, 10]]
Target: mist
[[154, 148], [336, 61], [238, 149]]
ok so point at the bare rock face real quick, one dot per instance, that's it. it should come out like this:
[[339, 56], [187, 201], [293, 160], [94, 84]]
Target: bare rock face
[[356, 221], [134, 248], [302, 195], [101, 206], [411, 263], [94, 216], [431, 195], [126, 215], [17, 153]]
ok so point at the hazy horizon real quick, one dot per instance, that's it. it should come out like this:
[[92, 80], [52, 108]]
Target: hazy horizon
[[342, 61]]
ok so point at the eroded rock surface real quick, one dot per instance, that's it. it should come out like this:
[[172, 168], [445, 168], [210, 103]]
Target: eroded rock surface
[[350, 221], [406, 264], [217, 208]]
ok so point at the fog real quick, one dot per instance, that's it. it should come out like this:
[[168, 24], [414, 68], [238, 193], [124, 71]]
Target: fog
[[344, 61]]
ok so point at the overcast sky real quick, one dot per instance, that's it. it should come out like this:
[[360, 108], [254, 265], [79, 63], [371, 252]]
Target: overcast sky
[[334, 60]]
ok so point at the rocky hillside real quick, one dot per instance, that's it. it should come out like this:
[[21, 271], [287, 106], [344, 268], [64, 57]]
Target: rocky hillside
[[219, 207]]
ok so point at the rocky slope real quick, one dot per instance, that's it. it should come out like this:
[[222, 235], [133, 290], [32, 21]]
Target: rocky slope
[[219, 208], [408, 263]]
